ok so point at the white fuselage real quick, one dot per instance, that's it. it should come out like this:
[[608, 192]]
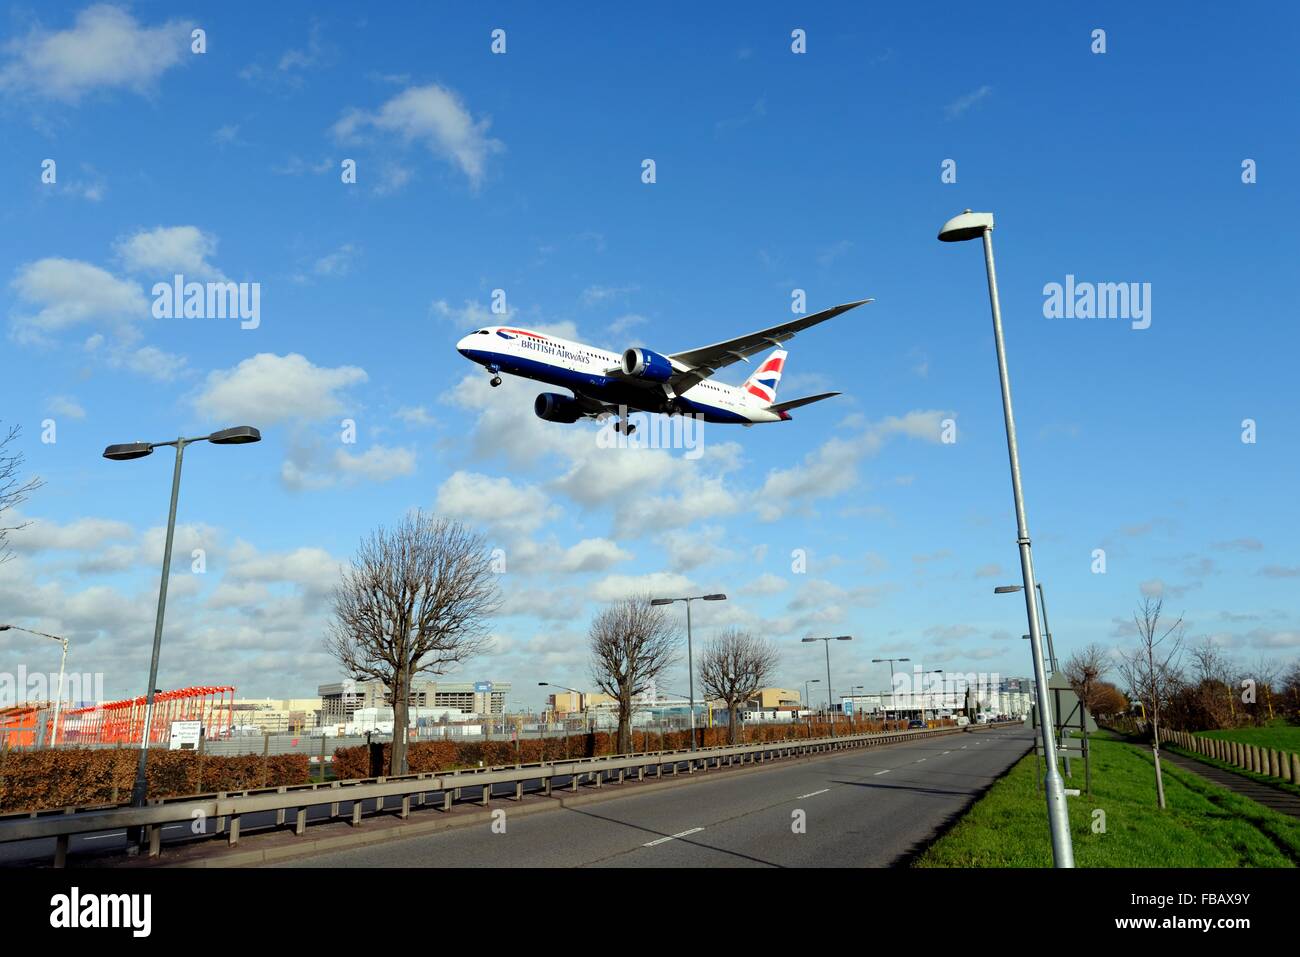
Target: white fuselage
[[595, 374]]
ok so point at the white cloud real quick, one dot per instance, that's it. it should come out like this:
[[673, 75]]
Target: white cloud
[[653, 584], [592, 555], [416, 415], [66, 405], [832, 468], [379, 463], [269, 388], [337, 263], [166, 250], [69, 292], [493, 502], [435, 116], [963, 103], [106, 47]]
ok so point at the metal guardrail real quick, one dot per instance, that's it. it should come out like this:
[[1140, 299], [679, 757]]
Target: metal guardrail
[[226, 809]]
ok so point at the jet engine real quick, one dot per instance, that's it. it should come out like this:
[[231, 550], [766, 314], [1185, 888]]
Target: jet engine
[[554, 407], [645, 364]]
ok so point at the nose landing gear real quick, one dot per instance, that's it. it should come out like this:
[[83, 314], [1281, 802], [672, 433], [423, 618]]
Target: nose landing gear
[[494, 381]]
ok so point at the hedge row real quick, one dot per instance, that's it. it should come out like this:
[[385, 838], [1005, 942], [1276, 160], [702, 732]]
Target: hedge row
[[65, 777], [423, 756]]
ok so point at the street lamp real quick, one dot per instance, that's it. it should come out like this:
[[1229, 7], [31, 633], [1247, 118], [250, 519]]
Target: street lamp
[[240, 435], [1042, 605], [967, 226], [806, 696], [690, 665], [892, 702], [830, 695], [63, 660]]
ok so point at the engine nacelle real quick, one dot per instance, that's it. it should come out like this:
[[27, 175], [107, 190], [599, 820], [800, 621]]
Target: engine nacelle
[[554, 407], [645, 364]]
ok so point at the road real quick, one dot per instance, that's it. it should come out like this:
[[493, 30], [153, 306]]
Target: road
[[872, 807]]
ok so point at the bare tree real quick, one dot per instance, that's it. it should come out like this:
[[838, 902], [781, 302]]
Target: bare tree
[[1151, 671], [14, 489], [632, 643], [416, 599], [1085, 671], [733, 667]]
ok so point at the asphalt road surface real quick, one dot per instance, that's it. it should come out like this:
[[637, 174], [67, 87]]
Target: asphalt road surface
[[863, 808]]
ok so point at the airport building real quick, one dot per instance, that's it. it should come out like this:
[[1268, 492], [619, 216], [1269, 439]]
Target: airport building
[[480, 699]]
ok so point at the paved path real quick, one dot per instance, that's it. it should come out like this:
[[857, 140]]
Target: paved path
[[1285, 802]]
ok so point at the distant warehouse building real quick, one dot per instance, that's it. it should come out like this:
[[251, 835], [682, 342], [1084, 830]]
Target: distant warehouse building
[[483, 699]]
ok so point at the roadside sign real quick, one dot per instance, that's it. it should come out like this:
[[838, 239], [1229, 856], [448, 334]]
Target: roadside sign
[[185, 735], [483, 687]]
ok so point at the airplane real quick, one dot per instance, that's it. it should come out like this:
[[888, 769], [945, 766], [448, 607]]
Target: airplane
[[605, 383]]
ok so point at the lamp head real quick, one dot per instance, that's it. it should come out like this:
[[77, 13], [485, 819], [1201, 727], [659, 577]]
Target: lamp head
[[128, 450], [239, 435], [968, 225], [1007, 589]]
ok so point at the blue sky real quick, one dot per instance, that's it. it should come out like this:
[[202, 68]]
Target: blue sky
[[774, 171]]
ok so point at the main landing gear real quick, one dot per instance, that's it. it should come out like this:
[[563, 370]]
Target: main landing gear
[[623, 426], [494, 381]]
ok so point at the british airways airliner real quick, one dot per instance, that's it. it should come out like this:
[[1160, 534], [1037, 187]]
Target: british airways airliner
[[605, 383]]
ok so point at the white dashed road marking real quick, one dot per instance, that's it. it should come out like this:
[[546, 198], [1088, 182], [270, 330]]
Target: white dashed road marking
[[886, 771], [814, 793], [664, 840]]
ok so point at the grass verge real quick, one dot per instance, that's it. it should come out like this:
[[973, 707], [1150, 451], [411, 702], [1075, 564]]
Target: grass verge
[[1276, 734], [1204, 825]]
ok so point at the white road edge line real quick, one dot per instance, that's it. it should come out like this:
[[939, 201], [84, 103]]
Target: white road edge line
[[813, 794], [664, 840]]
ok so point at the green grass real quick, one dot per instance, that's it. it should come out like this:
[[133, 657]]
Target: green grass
[[1215, 762], [1276, 734], [1204, 825]]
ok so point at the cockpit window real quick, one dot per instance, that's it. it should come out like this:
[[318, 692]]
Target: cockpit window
[[482, 332]]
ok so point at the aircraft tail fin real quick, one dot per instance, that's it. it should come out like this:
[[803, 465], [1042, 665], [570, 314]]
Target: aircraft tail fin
[[761, 386]]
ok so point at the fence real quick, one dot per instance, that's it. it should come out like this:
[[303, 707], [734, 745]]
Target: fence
[[1270, 762], [371, 795]]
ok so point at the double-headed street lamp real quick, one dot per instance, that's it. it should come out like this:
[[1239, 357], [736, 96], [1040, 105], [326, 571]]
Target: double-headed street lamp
[[63, 660], [830, 695], [240, 435], [967, 226], [1042, 606], [892, 702], [690, 664]]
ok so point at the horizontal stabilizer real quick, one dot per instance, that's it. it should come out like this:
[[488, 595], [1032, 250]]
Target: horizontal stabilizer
[[795, 403]]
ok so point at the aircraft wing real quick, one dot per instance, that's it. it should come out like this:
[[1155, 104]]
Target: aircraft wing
[[696, 365]]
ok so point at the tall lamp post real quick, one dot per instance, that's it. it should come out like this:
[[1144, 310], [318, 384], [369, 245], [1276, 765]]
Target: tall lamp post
[[240, 435], [960, 228], [63, 661], [690, 663], [830, 694], [876, 661]]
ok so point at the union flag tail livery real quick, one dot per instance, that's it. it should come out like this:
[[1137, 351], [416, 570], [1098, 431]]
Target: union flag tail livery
[[642, 380], [761, 386]]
